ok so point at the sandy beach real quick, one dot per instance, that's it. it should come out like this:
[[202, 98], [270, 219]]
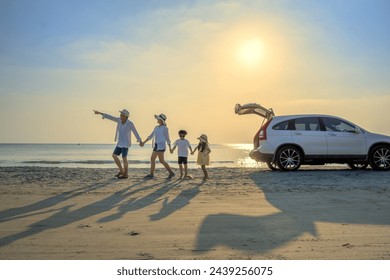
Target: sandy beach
[[240, 213]]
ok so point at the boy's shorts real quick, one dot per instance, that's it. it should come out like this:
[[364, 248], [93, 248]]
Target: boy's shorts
[[182, 160], [118, 151]]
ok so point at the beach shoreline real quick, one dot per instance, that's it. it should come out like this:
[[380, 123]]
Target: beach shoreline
[[319, 212]]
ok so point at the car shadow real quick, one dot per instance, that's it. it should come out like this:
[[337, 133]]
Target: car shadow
[[302, 199]]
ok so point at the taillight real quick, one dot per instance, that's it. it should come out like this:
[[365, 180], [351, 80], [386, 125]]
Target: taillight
[[263, 131]]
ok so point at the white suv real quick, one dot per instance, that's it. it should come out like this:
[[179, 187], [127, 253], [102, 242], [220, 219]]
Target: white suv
[[287, 142]]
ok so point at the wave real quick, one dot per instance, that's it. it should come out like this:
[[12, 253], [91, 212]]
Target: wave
[[97, 162], [73, 162], [42, 162]]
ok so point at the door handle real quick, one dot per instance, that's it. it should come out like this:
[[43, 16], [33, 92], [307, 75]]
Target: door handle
[[298, 133], [332, 134]]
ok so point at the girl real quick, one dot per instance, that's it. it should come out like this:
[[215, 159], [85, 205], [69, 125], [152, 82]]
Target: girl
[[203, 154], [160, 137]]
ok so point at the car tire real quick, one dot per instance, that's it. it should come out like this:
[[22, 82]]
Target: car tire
[[272, 165], [380, 158], [357, 166], [289, 158]]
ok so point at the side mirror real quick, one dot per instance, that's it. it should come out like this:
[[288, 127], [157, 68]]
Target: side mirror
[[357, 130]]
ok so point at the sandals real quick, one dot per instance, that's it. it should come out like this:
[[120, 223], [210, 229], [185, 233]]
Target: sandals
[[123, 176], [150, 176]]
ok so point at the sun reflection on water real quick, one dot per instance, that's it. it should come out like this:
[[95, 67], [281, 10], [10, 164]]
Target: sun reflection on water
[[248, 163], [247, 147], [241, 153]]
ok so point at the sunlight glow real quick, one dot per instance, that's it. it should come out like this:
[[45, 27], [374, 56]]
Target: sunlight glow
[[251, 52]]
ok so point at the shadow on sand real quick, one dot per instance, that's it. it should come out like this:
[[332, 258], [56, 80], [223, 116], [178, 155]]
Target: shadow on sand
[[302, 198], [179, 202], [65, 215]]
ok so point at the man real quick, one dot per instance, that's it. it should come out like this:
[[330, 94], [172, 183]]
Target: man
[[123, 134]]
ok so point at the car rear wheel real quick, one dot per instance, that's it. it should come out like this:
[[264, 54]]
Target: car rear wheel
[[380, 158], [357, 166], [289, 158], [272, 165]]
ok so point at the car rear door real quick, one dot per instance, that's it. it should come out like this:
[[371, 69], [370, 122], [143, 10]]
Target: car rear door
[[257, 109], [309, 136], [342, 138]]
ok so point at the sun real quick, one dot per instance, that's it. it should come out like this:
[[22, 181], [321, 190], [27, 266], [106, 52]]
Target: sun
[[251, 52]]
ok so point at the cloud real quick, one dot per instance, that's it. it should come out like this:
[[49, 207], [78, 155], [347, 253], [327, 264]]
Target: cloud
[[183, 61]]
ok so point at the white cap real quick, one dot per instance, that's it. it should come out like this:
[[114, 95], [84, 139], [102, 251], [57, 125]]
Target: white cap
[[125, 112]]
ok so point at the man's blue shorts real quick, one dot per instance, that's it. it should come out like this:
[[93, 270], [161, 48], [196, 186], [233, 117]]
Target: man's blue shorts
[[118, 151]]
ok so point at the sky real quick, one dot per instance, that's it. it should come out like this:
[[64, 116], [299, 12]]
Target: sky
[[192, 61]]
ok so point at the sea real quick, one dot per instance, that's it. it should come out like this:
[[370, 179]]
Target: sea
[[99, 156]]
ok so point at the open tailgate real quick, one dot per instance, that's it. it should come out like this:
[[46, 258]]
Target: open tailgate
[[253, 108]]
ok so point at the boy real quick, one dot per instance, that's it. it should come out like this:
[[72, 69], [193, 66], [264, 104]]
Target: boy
[[182, 145]]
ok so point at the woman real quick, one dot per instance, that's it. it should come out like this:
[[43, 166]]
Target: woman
[[160, 136]]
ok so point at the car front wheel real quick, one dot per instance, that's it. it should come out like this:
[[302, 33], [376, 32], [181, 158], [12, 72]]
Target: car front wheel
[[289, 158], [357, 166], [380, 158]]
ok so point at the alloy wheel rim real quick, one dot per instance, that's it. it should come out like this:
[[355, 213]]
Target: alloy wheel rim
[[289, 159], [382, 158]]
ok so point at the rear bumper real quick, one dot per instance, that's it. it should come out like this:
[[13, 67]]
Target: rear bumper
[[259, 156]]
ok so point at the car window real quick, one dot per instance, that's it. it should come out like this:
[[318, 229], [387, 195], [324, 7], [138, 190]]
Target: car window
[[333, 124], [281, 126], [307, 124]]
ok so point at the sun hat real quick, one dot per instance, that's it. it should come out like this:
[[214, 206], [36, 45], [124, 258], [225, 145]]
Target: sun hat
[[125, 112], [161, 117], [203, 138]]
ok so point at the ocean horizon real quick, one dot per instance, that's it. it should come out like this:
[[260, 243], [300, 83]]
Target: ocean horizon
[[80, 155]]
